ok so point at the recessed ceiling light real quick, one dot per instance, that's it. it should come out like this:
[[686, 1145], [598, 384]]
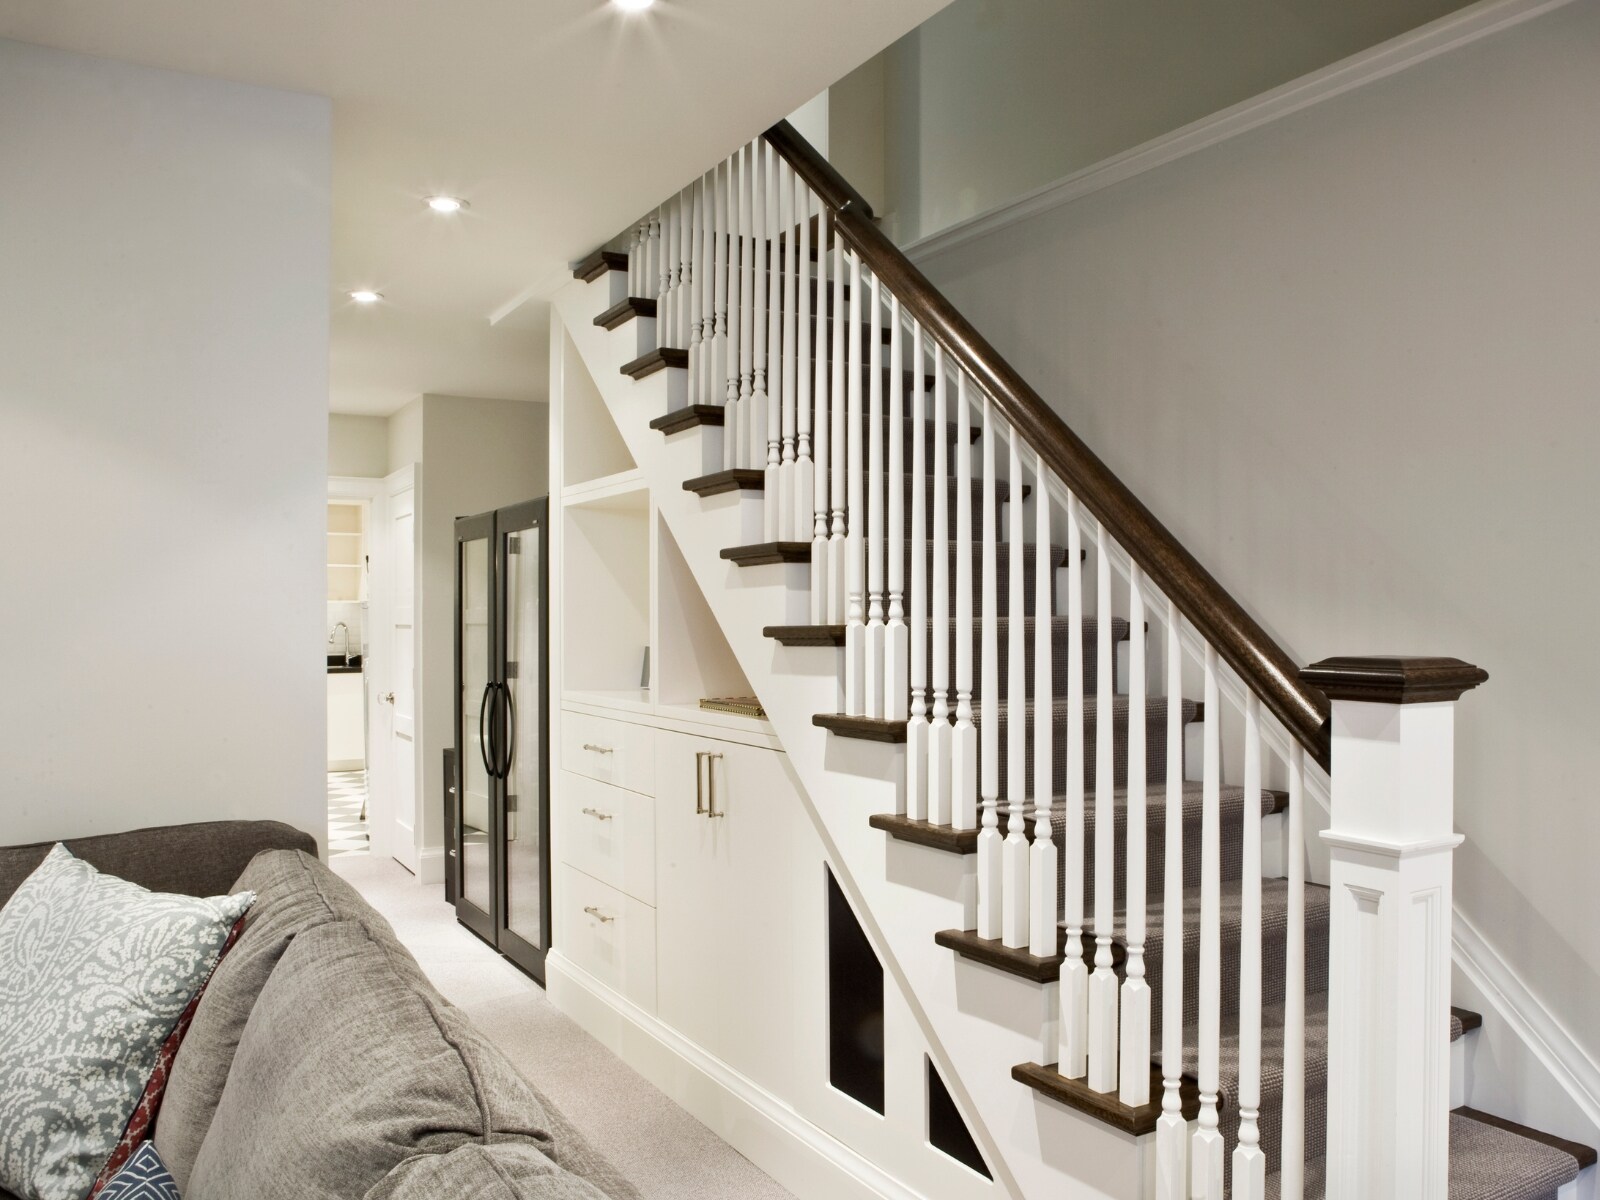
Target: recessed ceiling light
[[365, 297], [446, 204], [633, 5]]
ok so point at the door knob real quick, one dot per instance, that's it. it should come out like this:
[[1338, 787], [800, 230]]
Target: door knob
[[387, 697]]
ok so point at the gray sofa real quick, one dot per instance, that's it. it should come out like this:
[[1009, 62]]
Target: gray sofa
[[321, 1063]]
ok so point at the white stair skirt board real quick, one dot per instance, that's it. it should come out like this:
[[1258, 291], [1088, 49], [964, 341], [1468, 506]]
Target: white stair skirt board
[[977, 1022]]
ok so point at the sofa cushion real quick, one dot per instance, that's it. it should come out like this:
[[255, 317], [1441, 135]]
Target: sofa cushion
[[294, 892], [202, 859], [348, 1066], [94, 973], [143, 1177], [508, 1171]]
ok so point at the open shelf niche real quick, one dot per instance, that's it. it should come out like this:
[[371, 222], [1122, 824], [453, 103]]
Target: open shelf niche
[[694, 661], [592, 450], [605, 582]]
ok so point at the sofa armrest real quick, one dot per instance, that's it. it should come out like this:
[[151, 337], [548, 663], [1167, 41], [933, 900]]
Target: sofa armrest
[[202, 859]]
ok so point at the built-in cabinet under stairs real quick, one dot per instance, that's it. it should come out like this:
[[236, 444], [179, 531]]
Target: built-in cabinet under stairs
[[1135, 780]]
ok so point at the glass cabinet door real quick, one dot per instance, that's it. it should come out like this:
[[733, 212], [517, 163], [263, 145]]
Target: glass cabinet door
[[525, 917], [476, 708]]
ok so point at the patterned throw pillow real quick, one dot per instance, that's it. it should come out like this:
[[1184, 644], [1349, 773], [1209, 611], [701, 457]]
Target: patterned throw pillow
[[137, 1131], [143, 1177], [94, 975]]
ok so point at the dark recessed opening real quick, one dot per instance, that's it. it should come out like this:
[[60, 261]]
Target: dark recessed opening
[[855, 1005], [946, 1130]]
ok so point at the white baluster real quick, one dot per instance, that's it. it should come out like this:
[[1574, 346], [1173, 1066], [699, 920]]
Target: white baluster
[[1103, 983], [1074, 1062], [1134, 1075], [821, 580], [635, 258], [877, 633], [659, 256], [839, 435], [706, 281], [1172, 1131], [770, 449], [740, 433], [695, 208], [719, 290], [855, 629], [674, 242], [680, 268], [804, 482], [1014, 891], [788, 357], [1044, 936], [940, 732], [917, 720], [1208, 1145], [990, 900], [732, 307], [964, 737], [1291, 1166], [761, 382], [1249, 1160], [895, 639]]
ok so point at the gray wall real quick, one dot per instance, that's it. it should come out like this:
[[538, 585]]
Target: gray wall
[[358, 447], [1352, 359], [163, 423], [989, 99]]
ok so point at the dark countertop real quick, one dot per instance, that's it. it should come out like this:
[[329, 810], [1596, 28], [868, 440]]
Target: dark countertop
[[338, 666]]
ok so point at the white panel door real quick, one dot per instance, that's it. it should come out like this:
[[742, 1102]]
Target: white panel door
[[399, 637]]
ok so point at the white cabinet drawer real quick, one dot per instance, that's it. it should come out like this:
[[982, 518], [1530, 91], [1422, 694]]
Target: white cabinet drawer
[[611, 751], [610, 833], [611, 936]]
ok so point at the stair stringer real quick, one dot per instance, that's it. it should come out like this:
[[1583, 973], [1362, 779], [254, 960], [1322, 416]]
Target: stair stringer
[[978, 1022]]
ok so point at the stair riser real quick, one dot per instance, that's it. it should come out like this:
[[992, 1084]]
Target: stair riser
[[1155, 752]]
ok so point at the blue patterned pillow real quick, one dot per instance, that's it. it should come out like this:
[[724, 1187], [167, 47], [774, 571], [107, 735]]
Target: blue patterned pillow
[[143, 1177], [94, 973]]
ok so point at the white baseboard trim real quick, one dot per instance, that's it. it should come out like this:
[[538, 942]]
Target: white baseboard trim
[[800, 1156], [1567, 1062], [430, 866], [1437, 37]]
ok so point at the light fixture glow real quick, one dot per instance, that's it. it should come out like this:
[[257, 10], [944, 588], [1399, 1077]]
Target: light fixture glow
[[633, 5], [363, 296], [446, 204]]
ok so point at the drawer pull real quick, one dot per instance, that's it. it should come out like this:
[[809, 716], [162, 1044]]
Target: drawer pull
[[597, 749], [597, 814], [603, 917]]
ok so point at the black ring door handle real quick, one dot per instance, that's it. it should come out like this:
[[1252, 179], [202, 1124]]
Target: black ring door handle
[[485, 730], [511, 731]]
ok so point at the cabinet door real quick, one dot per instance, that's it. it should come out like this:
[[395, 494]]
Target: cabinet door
[[728, 824]]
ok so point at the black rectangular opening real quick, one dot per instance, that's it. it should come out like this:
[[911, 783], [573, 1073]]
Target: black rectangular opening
[[947, 1132], [855, 1005]]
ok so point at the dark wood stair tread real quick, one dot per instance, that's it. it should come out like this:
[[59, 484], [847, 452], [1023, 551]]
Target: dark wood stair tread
[[765, 553], [656, 360], [746, 479], [624, 311], [867, 729], [1105, 1106], [688, 417], [1018, 962], [805, 635], [1585, 1155], [1469, 1020], [598, 263]]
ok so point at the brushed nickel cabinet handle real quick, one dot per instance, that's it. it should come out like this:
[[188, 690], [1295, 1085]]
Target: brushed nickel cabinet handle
[[711, 772], [597, 749], [597, 814], [603, 918], [699, 783]]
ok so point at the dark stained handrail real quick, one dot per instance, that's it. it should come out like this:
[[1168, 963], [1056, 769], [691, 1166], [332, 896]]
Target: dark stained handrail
[[1232, 632]]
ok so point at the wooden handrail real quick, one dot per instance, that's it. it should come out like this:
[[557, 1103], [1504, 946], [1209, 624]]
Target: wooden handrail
[[1258, 660]]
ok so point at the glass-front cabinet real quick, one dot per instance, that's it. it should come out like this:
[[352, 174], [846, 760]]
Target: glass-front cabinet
[[502, 689]]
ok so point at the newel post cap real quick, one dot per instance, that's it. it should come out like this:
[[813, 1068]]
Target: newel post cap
[[1393, 679]]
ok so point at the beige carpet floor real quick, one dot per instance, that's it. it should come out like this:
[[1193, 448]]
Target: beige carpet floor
[[666, 1153]]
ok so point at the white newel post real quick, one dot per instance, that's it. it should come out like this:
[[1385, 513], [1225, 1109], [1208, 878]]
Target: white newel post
[[1391, 839]]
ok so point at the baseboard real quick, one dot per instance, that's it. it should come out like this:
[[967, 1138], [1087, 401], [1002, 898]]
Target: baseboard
[[800, 1156], [346, 764], [1567, 1064], [430, 867]]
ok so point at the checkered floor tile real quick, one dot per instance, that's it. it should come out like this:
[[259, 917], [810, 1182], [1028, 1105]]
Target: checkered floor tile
[[347, 827]]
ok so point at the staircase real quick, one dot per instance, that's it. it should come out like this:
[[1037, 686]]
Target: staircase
[[980, 649]]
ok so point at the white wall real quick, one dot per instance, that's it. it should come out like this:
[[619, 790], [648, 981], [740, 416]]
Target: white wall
[[163, 423], [358, 447], [989, 99], [1352, 359], [476, 455]]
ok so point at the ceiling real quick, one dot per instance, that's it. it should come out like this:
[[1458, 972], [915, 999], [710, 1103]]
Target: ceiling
[[559, 120]]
